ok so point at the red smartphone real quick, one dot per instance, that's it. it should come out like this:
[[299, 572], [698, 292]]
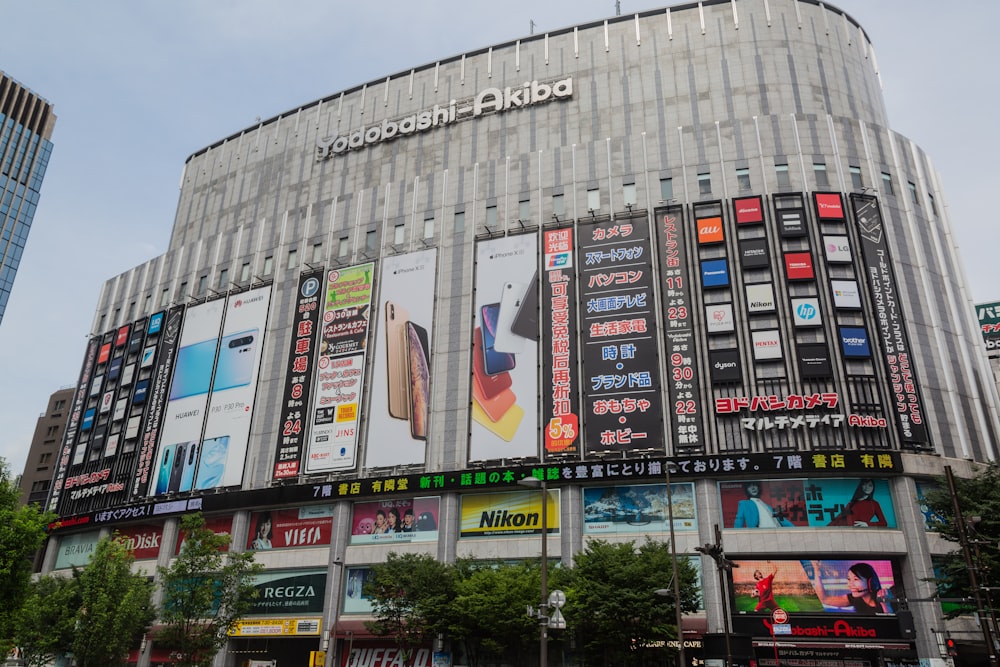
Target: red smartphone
[[489, 385]]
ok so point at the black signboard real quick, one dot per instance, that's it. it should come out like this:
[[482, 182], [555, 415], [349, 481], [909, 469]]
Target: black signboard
[[754, 254], [890, 327], [298, 376], [791, 221], [724, 365], [622, 383], [814, 360], [289, 593], [73, 425]]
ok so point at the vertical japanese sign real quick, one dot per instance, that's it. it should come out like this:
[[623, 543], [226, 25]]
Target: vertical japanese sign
[[298, 378], [401, 380], [505, 350], [622, 383], [684, 401], [156, 401], [73, 425], [889, 321], [561, 385], [333, 439]]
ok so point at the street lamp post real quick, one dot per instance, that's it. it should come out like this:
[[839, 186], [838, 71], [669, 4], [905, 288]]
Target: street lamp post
[[724, 566], [543, 608], [673, 563]]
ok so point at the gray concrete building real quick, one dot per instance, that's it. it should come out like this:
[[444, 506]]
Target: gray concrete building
[[682, 239]]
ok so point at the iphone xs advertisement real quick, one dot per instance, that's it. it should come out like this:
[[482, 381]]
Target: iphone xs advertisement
[[401, 380]]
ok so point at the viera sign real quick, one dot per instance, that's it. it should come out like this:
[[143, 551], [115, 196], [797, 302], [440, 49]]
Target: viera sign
[[489, 100]]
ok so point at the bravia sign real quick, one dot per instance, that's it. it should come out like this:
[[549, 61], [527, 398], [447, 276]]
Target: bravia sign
[[489, 100]]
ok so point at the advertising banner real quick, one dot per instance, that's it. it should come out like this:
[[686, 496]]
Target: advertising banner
[[829, 206], [684, 400], [560, 379], [75, 550], [398, 410], [748, 210], [223, 450], [162, 354], [289, 592], [837, 249], [754, 253], [220, 525], [891, 331], [510, 513], [710, 230], [766, 344], [988, 315], [177, 455], [791, 222], [504, 350], [638, 509], [333, 438], [143, 539], [310, 526], [805, 312], [76, 416], [355, 600], [814, 360], [724, 366], [719, 318], [760, 298], [621, 374], [714, 273], [277, 627], [798, 266], [299, 369], [807, 503], [397, 520]]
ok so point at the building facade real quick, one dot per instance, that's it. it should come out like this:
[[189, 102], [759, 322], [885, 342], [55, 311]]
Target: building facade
[[684, 238], [26, 124], [36, 480]]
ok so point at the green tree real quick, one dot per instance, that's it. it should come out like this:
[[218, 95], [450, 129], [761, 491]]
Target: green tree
[[979, 500], [611, 606], [22, 532], [411, 596], [205, 591], [46, 625], [115, 606], [489, 610]]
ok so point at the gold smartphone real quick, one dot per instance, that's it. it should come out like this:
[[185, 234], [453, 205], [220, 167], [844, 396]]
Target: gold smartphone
[[397, 360]]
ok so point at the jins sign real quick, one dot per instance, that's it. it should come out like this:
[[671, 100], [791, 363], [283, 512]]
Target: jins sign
[[489, 100]]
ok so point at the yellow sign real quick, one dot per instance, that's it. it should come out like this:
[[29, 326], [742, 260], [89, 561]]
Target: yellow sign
[[508, 513], [317, 658], [277, 627]]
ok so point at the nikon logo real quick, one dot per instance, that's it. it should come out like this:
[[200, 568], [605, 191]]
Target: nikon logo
[[489, 100]]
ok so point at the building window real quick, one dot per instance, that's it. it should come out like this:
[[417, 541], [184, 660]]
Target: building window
[[148, 306], [398, 234], [594, 199], [40, 485], [930, 198], [819, 171], [704, 184], [913, 193], [293, 259], [223, 279], [59, 405], [371, 239], [245, 272], [781, 172], [491, 217], [524, 210], [317, 253], [666, 189], [268, 265], [51, 431], [856, 181], [429, 228], [183, 291], [164, 297], [202, 284], [460, 221], [628, 194], [342, 247], [558, 205], [887, 184], [743, 179], [45, 458]]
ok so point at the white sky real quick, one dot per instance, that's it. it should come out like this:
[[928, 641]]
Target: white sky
[[139, 85]]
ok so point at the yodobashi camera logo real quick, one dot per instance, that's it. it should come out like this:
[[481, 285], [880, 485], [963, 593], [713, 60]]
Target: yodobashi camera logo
[[309, 287], [806, 311]]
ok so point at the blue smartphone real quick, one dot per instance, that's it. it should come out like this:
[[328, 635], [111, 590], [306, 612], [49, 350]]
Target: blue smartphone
[[236, 360], [188, 466], [163, 475], [193, 370], [177, 467], [212, 462], [494, 362]]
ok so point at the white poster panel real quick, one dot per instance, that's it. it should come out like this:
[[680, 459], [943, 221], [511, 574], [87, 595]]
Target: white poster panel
[[805, 312], [505, 391], [766, 344], [173, 468], [845, 294], [340, 368], [760, 298], [719, 318], [400, 396], [222, 452], [837, 249]]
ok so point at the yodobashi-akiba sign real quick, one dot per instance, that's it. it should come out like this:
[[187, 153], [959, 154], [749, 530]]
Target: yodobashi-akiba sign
[[489, 100]]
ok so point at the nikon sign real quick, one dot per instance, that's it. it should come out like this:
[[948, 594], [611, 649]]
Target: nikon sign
[[489, 100]]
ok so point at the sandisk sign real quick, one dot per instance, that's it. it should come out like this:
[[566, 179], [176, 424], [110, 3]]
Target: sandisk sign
[[489, 100]]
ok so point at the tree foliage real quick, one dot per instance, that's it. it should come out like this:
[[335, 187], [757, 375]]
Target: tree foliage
[[22, 532], [205, 591], [115, 606], [979, 500], [611, 605], [411, 596], [47, 623]]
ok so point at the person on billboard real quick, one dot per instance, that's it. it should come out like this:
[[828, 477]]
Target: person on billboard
[[381, 523], [863, 509], [864, 596], [395, 525], [755, 513], [764, 589], [262, 537], [408, 525]]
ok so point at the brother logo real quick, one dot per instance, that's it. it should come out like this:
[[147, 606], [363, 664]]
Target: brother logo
[[854, 341]]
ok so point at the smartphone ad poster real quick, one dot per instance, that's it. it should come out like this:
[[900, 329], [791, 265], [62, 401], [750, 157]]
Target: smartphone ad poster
[[174, 464], [401, 380], [505, 350], [234, 385], [333, 438], [509, 513]]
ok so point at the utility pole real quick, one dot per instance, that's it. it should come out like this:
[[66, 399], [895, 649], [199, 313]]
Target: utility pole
[[725, 567]]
